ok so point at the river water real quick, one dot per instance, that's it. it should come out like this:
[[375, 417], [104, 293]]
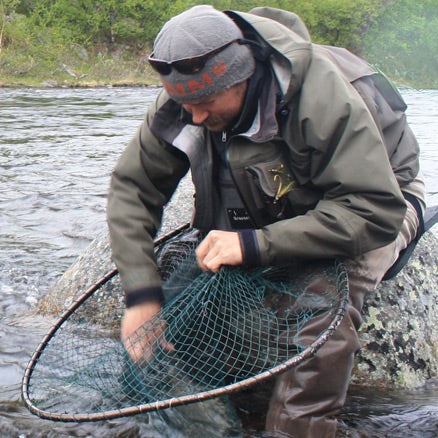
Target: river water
[[57, 149]]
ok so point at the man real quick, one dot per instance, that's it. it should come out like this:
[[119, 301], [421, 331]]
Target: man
[[296, 151]]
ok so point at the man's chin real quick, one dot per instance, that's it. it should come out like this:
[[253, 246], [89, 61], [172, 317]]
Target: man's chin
[[215, 127]]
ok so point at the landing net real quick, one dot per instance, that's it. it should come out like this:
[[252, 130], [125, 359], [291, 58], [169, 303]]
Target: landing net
[[216, 334]]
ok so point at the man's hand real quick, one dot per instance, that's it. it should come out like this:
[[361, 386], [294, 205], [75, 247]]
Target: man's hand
[[219, 248], [140, 345]]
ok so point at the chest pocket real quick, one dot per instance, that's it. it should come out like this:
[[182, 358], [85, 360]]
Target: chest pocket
[[277, 191]]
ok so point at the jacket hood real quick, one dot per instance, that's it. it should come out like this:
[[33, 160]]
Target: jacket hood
[[289, 38]]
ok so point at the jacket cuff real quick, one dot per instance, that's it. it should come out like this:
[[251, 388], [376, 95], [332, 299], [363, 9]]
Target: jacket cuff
[[248, 243], [144, 295]]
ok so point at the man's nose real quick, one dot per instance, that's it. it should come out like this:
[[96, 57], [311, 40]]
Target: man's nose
[[199, 115]]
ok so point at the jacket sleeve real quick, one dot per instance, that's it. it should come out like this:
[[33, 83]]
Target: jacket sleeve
[[336, 148], [143, 181]]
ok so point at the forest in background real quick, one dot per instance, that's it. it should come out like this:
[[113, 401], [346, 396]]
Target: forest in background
[[106, 42]]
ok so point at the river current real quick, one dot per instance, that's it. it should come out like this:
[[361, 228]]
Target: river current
[[57, 149]]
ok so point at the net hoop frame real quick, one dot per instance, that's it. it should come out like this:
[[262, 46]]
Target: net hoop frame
[[308, 352]]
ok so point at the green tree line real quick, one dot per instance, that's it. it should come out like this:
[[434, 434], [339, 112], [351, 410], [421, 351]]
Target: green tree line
[[108, 40]]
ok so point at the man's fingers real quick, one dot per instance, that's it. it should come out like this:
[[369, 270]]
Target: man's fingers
[[137, 349], [201, 251], [143, 348], [167, 346], [219, 248], [212, 263], [142, 344]]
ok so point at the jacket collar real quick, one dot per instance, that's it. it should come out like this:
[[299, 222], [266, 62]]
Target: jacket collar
[[287, 36]]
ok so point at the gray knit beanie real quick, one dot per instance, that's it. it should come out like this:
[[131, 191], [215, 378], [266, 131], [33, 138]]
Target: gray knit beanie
[[196, 32]]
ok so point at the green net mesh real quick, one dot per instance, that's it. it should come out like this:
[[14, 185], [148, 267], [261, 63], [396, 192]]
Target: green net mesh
[[215, 334]]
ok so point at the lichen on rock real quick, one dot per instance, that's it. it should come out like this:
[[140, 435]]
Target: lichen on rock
[[400, 331]]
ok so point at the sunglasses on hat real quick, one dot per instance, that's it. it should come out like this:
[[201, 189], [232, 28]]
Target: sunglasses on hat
[[186, 66]]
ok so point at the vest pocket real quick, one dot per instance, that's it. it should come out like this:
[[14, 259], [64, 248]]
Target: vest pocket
[[272, 181], [277, 194]]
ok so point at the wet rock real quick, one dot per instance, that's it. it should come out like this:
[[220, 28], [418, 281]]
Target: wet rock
[[400, 331], [85, 272]]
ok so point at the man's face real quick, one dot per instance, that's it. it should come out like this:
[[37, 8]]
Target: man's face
[[219, 111]]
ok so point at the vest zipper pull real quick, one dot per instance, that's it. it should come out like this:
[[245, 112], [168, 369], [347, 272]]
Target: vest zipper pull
[[224, 137]]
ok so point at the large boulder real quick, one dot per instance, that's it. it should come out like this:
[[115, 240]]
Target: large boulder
[[400, 330]]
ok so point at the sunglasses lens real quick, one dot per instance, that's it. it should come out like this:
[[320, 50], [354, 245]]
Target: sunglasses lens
[[189, 66], [185, 67], [163, 68]]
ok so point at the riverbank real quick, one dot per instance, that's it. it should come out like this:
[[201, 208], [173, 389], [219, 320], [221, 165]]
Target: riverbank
[[120, 67], [128, 79]]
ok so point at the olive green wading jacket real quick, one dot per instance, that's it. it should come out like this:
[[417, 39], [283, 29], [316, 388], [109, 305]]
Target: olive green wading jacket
[[319, 171]]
